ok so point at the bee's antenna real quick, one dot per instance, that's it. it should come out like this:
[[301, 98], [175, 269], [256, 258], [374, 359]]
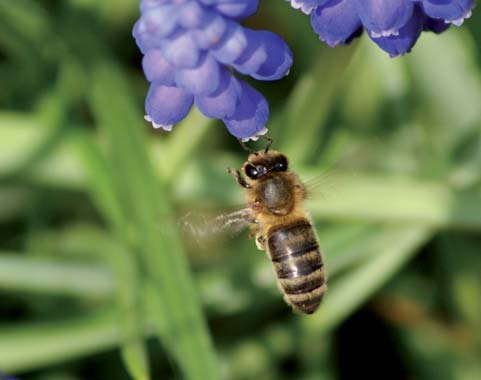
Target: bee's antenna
[[269, 143]]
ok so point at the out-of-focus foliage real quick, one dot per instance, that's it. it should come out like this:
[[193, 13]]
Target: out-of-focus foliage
[[96, 280]]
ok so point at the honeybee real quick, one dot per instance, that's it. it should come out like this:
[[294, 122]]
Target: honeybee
[[276, 215]]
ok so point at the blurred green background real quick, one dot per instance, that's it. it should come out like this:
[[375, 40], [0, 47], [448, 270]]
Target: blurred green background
[[96, 280]]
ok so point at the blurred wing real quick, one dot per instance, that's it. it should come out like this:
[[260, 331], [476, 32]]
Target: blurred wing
[[203, 229], [315, 183], [322, 185], [343, 163]]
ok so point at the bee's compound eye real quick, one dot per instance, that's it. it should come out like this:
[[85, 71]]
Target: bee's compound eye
[[281, 164], [251, 171]]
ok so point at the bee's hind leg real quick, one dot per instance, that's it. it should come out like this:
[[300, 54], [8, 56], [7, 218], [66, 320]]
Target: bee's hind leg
[[261, 242], [259, 237], [238, 177]]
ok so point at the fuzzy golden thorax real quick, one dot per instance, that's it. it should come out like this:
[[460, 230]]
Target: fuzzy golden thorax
[[275, 192]]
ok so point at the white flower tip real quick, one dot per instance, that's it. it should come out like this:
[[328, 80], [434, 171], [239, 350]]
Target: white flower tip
[[295, 4], [459, 21], [385, 33], [307, 9], [299, 4], [167, 127], [262, 132], [330, 42]]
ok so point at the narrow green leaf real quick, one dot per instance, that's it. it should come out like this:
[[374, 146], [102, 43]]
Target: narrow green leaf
[[122, 261], [450, 106], [365, 197], [33, 345], [87, 335], [14, 201], [19, 134], [51, 116], [343, 245], [144, 201], [394, 247], [309, 104], [134, 355], [125, 268], [24, 24], [377, 198], [101, 183], [54, 277], [173, 154]]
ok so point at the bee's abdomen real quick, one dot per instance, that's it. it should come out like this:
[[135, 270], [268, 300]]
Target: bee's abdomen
[[297, 259]]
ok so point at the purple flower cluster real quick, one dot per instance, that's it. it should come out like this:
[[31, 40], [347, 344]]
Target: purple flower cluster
[[192, 47], [394, 25]]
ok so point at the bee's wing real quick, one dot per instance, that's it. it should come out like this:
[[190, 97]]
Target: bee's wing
[[323, 184], [342, 162], [203, 228]]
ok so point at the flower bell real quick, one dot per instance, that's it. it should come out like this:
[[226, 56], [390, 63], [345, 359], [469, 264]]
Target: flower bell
[[394, 25], [192, 49]]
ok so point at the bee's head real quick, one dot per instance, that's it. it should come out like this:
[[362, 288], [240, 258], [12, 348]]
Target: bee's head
[[263, 162]]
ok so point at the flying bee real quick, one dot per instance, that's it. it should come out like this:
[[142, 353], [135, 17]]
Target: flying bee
[[276, 215]]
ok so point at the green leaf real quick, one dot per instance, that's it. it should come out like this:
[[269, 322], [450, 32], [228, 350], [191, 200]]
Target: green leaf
[[175, 153], [54, 277], [144, 200], [51, 117], [393, 247], [32, 345], [400, 200], [24, 25], [309, 105]]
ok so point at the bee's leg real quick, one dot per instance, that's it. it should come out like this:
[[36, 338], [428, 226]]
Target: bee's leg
[[257, 233], [245, 147], [240, 180], [261, 242]]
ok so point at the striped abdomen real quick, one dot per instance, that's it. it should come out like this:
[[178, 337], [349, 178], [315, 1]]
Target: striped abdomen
[[298, 263]]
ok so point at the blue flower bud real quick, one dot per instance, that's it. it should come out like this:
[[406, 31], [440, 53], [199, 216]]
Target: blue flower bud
[[394, 25], [180, 50], [190, 48], [201, 80], [237, 9], [211, 33], [222, 103], [404, 39], [384, 18], [232, 44], [453, 11], [278, 57], [157, 69], [435, 25], [335, 21], [250, 117], [166, 105]]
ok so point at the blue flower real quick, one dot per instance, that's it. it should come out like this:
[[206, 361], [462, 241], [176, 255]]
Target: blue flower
[[394, 25], [192, 48]]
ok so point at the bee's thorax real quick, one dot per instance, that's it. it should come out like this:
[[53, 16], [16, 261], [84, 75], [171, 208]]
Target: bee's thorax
[[277, 195]]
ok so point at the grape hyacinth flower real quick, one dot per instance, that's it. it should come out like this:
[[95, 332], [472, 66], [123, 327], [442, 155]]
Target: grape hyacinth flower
[[191, 49], [394, 25]]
